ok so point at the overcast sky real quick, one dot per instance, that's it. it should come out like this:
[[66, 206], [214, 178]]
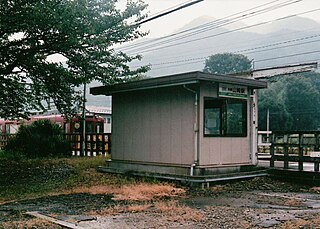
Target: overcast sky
[[218, 9]]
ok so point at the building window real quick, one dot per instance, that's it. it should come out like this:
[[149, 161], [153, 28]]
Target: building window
[[225, 117], [108, 120]]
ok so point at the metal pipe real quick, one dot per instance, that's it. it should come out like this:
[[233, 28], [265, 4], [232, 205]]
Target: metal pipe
[[192, 169], [195, 124]]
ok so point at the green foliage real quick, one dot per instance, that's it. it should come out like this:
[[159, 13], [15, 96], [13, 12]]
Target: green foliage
[[293, 102], [227, 63], [40, 139], [82, 32]]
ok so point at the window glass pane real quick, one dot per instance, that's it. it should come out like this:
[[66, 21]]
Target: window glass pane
[[225, 117], [234, 120], [212, 121]]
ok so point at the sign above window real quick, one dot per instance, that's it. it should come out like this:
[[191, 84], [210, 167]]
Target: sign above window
[[233, 91]]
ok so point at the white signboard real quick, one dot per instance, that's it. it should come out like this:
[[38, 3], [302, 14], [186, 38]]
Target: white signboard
[[233, 91]]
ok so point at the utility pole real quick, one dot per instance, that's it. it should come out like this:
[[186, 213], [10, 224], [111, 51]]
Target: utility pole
[[83, 116]]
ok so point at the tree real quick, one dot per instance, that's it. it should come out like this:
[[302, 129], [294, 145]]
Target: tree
[[273, 99], [293, 102], [227, 63], [82, 32]]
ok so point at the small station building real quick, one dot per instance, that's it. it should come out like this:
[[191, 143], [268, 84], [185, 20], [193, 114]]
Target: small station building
[[192, 124]]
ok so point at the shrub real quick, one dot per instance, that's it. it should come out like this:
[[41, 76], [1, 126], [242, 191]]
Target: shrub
[[40, 139]]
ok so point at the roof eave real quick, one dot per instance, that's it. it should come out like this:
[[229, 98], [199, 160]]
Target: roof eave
[[176, 80]]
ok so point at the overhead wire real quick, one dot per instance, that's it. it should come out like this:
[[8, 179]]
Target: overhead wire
[[229, 31], [214, 22], [234, 44], [169, 12], [251, 50], [218, 24], [255, 61], [286, 56]]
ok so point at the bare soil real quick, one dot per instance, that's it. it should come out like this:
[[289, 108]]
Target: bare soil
[[255, 203]]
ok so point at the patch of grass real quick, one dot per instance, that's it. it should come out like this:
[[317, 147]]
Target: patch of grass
[[146, 192], [26, 178], [33, 178], [118, 209], [10, 155], [176, 212]]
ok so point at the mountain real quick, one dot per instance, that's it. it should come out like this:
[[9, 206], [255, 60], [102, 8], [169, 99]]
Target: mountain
[[292, 23], [189, 53]]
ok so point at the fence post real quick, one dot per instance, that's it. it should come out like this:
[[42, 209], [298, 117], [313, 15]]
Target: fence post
[[93, 142], [109, 144], [316, 148], [286, 157], [316, 164], [272, 151], [300, 152]]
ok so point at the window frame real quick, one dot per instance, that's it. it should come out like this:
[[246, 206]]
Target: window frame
[[222, 104]]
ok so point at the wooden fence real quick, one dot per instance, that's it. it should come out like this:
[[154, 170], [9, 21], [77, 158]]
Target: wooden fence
[[294, 146], [94, 144]]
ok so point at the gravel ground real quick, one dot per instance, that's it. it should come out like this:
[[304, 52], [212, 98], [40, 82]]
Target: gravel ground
[[255, 203]]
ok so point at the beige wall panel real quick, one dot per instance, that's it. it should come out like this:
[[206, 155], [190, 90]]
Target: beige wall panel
[[117, 137], [128, 127], [246, 151], [221, 150], [215, 150], [165, 134], [176, 129], [240, 150], [187, 126], [226, 150], [154, 126], [139, 128], [154, 129]]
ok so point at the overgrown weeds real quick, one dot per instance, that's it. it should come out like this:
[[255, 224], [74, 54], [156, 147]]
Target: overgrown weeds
[[31, 178]]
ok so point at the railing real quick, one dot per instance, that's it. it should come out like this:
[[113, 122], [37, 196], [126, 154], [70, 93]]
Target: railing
[[94, 144], [294, 146]]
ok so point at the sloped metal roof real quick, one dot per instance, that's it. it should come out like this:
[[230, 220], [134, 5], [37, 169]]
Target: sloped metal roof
[[174, 80]]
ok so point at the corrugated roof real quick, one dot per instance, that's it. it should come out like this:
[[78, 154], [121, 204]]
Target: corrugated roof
[[174, 80]]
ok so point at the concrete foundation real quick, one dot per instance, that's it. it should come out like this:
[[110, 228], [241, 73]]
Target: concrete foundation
[[192, 174]]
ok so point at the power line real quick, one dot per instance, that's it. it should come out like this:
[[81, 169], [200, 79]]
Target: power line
[[169, 12], [230, 31], [256, 61], [280, 43], [292, 55], [222, 21], [183, 54], [169, 8], [255, 49], [218, 24]]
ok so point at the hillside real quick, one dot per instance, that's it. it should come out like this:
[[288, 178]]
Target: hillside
[[190, 56]]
